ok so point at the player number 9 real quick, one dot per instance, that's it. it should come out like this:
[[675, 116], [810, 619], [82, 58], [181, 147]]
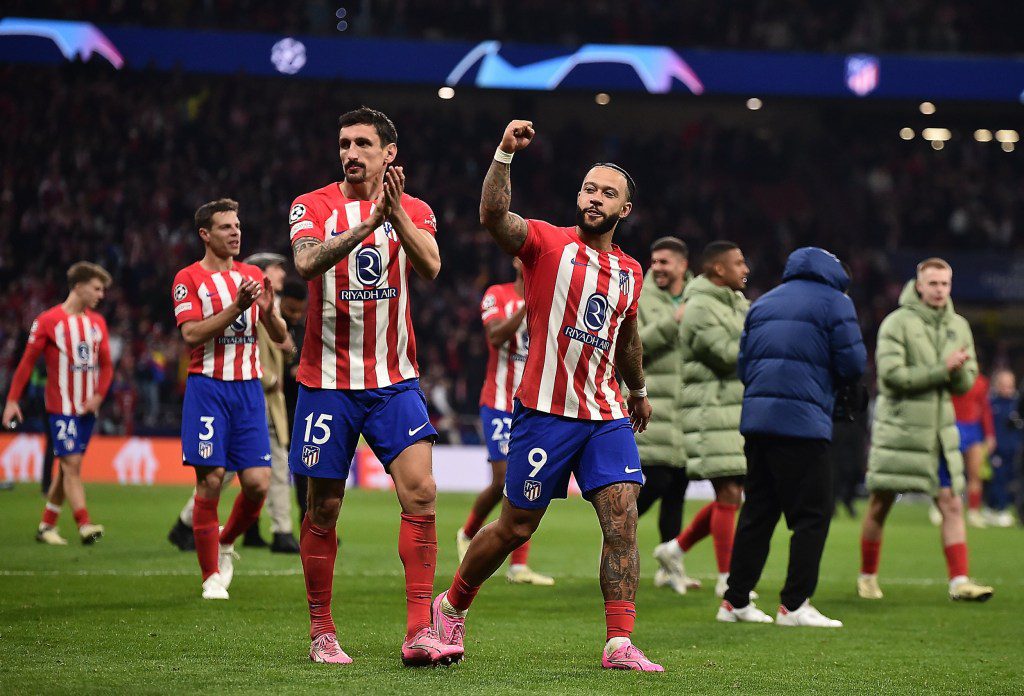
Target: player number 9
[[538, 458]]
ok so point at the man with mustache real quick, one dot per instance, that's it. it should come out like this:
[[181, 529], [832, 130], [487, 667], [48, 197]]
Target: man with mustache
[[581, 295], [354, 242]]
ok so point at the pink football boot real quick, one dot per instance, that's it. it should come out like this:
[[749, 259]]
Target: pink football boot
[[425, 649], [450, 630], [325, 648], [628, 656]]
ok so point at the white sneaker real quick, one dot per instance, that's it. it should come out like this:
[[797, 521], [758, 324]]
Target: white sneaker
[[525, 575], [867, 586], [90, 533], [670, 557], [962, 588], [226, 563], [49, 535], [661, 578], [976, 519], [1004, 519], [213, 587], [462, 543], [722, 584], [934, 516], [727, 613], [806, 615]]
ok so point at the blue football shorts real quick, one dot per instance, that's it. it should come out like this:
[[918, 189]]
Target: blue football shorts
[[545, 449], [328, 423], [224, 424]]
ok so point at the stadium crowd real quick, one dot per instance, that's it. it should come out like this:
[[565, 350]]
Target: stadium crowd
[[146, 149], [849, 25]]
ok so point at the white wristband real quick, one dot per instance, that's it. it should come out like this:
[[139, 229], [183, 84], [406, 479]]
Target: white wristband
[[639, 393], [503, 157]]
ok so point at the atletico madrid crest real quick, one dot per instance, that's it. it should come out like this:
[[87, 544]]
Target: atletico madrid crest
[[625, 276], [205, 449], [310, 455], [531, 490]]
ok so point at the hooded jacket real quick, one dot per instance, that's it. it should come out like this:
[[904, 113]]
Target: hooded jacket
[[710, 394], [914, 421], [662, 443], [800, 342]]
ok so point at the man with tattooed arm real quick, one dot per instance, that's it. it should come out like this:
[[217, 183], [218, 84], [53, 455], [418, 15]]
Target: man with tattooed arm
[[569, 417], [355, 242]]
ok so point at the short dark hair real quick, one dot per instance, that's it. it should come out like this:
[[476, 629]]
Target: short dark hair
[[713, 251], [371, 117], [295, 289], [204, 216], [630, 184], [84, 271], [672, 244]]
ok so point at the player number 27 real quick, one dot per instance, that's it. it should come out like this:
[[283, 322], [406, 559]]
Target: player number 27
[[538, 458], [321, 425]]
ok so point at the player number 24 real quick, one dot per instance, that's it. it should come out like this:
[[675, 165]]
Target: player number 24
[[66, 429], [322, 425]]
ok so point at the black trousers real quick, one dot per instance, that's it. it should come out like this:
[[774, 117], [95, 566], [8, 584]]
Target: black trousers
[[785, 476], [846, 452], [668, 484]]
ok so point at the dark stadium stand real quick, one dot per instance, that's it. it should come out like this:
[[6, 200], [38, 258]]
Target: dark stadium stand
[[987, 26], [112, 166]]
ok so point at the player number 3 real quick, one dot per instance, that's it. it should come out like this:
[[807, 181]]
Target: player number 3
[[321, 424], [538, 458]]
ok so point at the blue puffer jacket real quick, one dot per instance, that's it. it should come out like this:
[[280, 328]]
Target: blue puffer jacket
[[799, 341]]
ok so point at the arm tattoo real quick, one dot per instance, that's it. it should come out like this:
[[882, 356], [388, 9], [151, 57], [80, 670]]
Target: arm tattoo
[[620, 560], [314, 257], [508, 229], [629, 355]]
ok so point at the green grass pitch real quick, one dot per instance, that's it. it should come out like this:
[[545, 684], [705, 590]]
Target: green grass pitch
[[125, 615]]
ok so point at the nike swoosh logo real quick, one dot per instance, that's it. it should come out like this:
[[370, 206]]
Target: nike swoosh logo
[[631, 471], [574, 262], [413, 432]]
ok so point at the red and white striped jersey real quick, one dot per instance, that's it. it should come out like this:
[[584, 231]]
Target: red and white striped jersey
[[199, 294], [359, 331], [576, 298], [76, 348], [506, 362]]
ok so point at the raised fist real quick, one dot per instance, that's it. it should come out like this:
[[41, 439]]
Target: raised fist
[[517, 135]]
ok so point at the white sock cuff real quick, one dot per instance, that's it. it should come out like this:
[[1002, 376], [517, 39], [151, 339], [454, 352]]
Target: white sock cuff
[[53, 508]]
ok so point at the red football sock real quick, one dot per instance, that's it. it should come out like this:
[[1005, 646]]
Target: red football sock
[[50, 514], [318, 551], [520, 555], [204, 528], [723, 531], [956, 559], [460, 594], [243, 514], [973, 500], [473, 524], [869, 554], [619, 617], [699, 527], [81, 516], [417, 547]]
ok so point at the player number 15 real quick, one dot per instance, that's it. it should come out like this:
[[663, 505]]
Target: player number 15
[[321, 425]]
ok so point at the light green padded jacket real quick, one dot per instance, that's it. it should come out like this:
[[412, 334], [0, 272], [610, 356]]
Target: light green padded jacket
[[711, 395], [914, 420], [662, 443]]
